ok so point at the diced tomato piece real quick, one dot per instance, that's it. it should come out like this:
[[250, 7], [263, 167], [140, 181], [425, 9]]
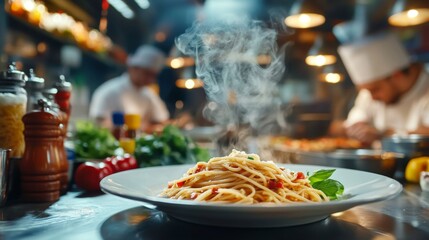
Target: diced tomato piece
[[272, 184], [275, 184], [215, 190], [199, 168], [300, 175], [180, 184]]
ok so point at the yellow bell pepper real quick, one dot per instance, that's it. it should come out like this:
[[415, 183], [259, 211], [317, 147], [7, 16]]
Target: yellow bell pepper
[[414, 167]]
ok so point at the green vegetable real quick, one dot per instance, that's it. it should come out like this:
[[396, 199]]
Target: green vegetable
[[321, 175], [94, 142], [170, 147], [251, 158], [320, 180]]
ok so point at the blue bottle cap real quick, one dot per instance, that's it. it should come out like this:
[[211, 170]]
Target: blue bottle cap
[[118, 118]]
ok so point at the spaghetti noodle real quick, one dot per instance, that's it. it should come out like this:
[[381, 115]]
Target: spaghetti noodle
[[242, 178]]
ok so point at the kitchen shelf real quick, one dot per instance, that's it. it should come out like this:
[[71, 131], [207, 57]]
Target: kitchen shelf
[[104, 59]]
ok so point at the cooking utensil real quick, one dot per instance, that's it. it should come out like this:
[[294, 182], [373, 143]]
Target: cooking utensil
[[376, 161]]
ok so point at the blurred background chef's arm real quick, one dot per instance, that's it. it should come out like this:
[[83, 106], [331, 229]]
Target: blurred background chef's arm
[[359, 121]]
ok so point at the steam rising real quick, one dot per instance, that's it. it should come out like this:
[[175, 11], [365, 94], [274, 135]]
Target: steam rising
[[240, 65]]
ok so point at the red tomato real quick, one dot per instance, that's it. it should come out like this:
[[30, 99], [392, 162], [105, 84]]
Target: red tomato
[[113, 163], [131, 161], [300, 175], [123, 164], [89, 174]]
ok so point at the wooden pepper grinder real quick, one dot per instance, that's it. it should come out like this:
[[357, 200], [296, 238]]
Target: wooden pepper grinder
[[40, 168]]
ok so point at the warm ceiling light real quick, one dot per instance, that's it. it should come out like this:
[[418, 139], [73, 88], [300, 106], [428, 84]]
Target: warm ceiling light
[[331, 74], [305, 14], [320, 60], [188, 79], [409, 13], [160, 36], [322, 52], [190, 83], [178, 60], [306, 20], [333, 77]]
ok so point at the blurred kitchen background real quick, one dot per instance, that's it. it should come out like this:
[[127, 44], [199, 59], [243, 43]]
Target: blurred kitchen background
[[88, 41]]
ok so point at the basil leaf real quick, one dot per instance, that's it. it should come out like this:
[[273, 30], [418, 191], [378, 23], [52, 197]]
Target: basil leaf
[[321, 175], [250, 158], [332, 188]]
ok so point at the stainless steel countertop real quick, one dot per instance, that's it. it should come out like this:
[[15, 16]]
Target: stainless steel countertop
[[83, 216]]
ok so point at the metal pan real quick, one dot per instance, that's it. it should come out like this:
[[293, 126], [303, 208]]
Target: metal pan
[[376, 161]]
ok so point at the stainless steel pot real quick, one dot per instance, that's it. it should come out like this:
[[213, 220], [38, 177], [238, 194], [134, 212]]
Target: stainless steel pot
[[376, 161], [411, 146]]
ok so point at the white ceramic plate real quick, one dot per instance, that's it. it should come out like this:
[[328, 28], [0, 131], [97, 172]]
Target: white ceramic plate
[[145, 185]]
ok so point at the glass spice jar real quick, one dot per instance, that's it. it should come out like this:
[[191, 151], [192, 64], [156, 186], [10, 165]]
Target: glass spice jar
[[13, 102], [34, 87]]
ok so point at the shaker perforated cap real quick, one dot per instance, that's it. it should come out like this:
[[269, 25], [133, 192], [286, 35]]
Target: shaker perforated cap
[[35, 82], [62, 84]]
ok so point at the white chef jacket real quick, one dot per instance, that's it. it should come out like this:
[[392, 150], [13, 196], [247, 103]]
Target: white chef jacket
[[118, 94], [408, 114]]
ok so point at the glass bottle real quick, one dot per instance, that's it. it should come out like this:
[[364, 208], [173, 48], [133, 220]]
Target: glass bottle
[[13, 101], [62, 98], [118, 130], [132, 124]]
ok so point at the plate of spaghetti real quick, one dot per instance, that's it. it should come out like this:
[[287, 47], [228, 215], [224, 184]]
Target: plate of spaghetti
[[241, 190]]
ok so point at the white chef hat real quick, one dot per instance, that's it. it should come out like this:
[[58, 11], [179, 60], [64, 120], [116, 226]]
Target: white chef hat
[[147, 56], [373, 58]]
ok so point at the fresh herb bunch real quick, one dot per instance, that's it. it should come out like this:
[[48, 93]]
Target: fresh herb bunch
[[94, 142], [321, 180], [170, 147]]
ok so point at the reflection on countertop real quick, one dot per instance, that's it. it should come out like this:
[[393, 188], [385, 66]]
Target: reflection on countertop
[[103, 216]]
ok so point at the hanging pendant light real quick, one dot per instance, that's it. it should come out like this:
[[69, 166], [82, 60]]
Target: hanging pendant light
[[178, 60], [305, 14], [331, 74], [321, 53], [409, 13], [189, 79]]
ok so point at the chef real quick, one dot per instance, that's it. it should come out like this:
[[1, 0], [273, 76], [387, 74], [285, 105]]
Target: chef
[[393, 93], [130, 92]]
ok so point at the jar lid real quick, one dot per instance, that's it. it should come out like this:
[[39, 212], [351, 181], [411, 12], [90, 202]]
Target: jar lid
[[133, 121], [62, 85], [118, 118], [50, 93], [35, 82], [13, 76]]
